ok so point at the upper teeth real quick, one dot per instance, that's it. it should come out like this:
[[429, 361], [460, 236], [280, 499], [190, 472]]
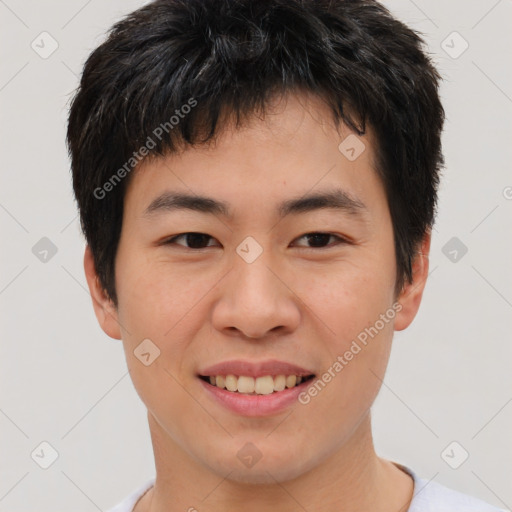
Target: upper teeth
[[261, 385]]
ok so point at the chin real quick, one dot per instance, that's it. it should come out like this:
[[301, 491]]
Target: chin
[[262, 469], [264, 475]]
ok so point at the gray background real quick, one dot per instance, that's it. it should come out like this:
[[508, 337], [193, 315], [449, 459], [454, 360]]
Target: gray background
[[65, 382]]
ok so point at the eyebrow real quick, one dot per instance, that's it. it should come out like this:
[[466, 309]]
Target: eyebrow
[[329, 199]]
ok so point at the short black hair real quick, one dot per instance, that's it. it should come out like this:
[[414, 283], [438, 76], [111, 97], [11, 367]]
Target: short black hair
[[225, 59]]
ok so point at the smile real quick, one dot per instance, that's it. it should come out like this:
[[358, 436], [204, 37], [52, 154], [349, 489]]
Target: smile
[[264, 385]]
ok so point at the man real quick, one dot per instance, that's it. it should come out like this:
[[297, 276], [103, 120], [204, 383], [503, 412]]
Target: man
[[257, 183]]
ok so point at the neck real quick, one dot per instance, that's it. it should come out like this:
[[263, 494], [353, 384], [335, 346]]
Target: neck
[[352, 479]]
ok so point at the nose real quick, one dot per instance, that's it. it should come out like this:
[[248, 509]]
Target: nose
[[256, 300]]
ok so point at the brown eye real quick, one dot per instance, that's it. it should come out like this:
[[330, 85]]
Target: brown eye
[[193, 240], [319, 240]]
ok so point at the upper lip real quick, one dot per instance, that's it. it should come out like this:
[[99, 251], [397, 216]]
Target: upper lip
[[254, 368]]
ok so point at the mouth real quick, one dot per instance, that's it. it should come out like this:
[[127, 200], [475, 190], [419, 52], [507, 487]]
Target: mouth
[[262, 385], [255, 388]]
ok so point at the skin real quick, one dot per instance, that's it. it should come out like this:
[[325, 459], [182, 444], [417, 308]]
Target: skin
[[295, 302]]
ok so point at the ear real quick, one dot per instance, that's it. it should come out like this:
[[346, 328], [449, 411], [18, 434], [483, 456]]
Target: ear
[[410, 296], [104, 308]]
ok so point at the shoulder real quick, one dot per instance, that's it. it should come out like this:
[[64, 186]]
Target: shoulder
[[430, 496], [129, 502]]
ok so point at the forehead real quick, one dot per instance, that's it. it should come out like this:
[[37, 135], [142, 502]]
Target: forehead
[[293, 151]]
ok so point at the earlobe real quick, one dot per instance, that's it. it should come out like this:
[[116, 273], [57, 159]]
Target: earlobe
[[411, 294], [104, 309]]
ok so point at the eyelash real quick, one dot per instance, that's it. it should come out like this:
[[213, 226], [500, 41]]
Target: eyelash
[[340, 240]]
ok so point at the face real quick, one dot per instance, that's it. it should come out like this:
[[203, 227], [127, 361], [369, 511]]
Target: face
[[265, 280]]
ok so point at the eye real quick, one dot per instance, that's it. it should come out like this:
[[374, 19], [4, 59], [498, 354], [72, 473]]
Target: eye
[[196, 240], [321, 238]]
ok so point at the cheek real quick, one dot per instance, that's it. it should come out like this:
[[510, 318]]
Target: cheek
[[355, 356], [155, 305], [349, 299], [168, 308], [153, 298], [357, 308]]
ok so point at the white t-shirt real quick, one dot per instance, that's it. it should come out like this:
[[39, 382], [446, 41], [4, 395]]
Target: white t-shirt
[[427, 497]]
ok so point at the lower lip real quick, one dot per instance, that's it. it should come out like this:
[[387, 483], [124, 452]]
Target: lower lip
[[256, 405]]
